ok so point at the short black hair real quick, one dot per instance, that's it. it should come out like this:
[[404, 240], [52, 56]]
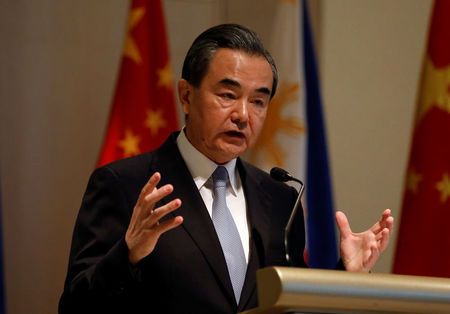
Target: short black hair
[[232, 36]]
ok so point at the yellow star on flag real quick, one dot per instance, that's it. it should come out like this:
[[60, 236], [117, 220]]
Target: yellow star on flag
[[131, 49], [435, 88], [413, 180], [155, 121], [130, 144], [165, 76], [444, 187]]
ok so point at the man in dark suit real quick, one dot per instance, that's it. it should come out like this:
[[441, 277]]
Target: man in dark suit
[[147, 238]]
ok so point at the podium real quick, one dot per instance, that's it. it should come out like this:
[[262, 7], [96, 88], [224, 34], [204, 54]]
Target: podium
[[297, 290]]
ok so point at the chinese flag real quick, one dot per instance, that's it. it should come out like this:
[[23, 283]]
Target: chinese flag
[[143, 111], [423, 246]]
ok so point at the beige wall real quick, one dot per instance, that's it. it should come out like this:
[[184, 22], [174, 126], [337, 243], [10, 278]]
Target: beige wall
[[58, 64], [371, 53]]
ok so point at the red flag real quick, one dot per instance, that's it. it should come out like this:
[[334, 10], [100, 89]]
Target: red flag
[[423, 245], [143, 111]]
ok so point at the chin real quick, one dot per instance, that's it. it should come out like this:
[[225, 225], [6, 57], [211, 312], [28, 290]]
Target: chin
[[224, 157], [229, 152], [234, 154]]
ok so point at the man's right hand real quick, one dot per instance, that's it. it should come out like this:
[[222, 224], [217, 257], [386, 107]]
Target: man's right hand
[[145, 229]]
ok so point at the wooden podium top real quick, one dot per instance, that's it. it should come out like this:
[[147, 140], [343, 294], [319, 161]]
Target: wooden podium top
[[291, 290]]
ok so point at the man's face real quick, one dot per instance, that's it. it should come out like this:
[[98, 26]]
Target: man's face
[[227, 111]]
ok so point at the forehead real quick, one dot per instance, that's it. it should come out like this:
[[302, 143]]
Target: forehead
[[240, 66]]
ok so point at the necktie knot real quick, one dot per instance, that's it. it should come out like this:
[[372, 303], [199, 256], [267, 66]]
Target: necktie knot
[[220, 177]]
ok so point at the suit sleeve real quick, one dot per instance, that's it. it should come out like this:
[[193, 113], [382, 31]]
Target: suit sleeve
[[99, 271]]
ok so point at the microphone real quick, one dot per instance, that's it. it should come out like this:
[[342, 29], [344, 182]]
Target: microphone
[[282, 175]]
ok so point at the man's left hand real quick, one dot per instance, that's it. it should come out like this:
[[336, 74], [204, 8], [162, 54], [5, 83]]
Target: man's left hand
[[360, 251]]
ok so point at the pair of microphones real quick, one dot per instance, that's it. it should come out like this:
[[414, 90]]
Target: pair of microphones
[[282, 175]]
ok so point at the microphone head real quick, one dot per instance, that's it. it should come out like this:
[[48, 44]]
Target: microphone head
[[280, 175]]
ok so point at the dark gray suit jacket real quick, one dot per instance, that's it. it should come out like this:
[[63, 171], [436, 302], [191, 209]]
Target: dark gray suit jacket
[[186, 273]]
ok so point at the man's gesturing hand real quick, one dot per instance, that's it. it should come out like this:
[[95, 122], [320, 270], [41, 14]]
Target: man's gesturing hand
[[360, 251], [145, 229]]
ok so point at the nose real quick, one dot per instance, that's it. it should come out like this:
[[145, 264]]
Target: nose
[[239, 116]]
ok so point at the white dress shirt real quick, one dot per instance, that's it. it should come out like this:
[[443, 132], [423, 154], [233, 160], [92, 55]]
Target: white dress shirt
[[201, 168]]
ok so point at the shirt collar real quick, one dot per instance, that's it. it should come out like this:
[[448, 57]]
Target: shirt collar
[[201, 167]]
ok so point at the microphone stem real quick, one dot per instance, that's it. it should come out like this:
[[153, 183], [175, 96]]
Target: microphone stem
[[287, 230]]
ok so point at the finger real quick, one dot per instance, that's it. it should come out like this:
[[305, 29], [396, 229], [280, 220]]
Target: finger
[[386, 220], [148, 187], [158, 194], [152, 182], [367, 256], [162, 211], [389, 223], [148, 203], [371, 251], [169, 224], [384, 241], [343, 224], [379, 236], [386, 214], [371, 258]]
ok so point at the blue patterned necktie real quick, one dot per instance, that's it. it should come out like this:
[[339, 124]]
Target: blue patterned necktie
[[227, 232]]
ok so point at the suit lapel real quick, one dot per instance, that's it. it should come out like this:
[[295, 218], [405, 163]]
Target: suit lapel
[[197, 222], [257, 200]]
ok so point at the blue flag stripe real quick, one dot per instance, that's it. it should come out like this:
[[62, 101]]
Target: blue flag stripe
[[322, 248]]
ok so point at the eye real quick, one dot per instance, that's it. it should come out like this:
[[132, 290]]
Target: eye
[[228, 95], [259, 102]]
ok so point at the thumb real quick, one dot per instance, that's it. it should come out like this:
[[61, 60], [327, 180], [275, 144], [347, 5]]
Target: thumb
[[343, 225]]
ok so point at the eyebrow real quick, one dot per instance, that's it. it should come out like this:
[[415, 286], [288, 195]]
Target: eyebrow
[[233, 83]]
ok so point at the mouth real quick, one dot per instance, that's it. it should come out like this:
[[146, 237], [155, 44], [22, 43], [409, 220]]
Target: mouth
[[235, 134]]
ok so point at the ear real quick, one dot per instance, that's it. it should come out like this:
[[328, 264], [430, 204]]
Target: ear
[[184, 94]]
